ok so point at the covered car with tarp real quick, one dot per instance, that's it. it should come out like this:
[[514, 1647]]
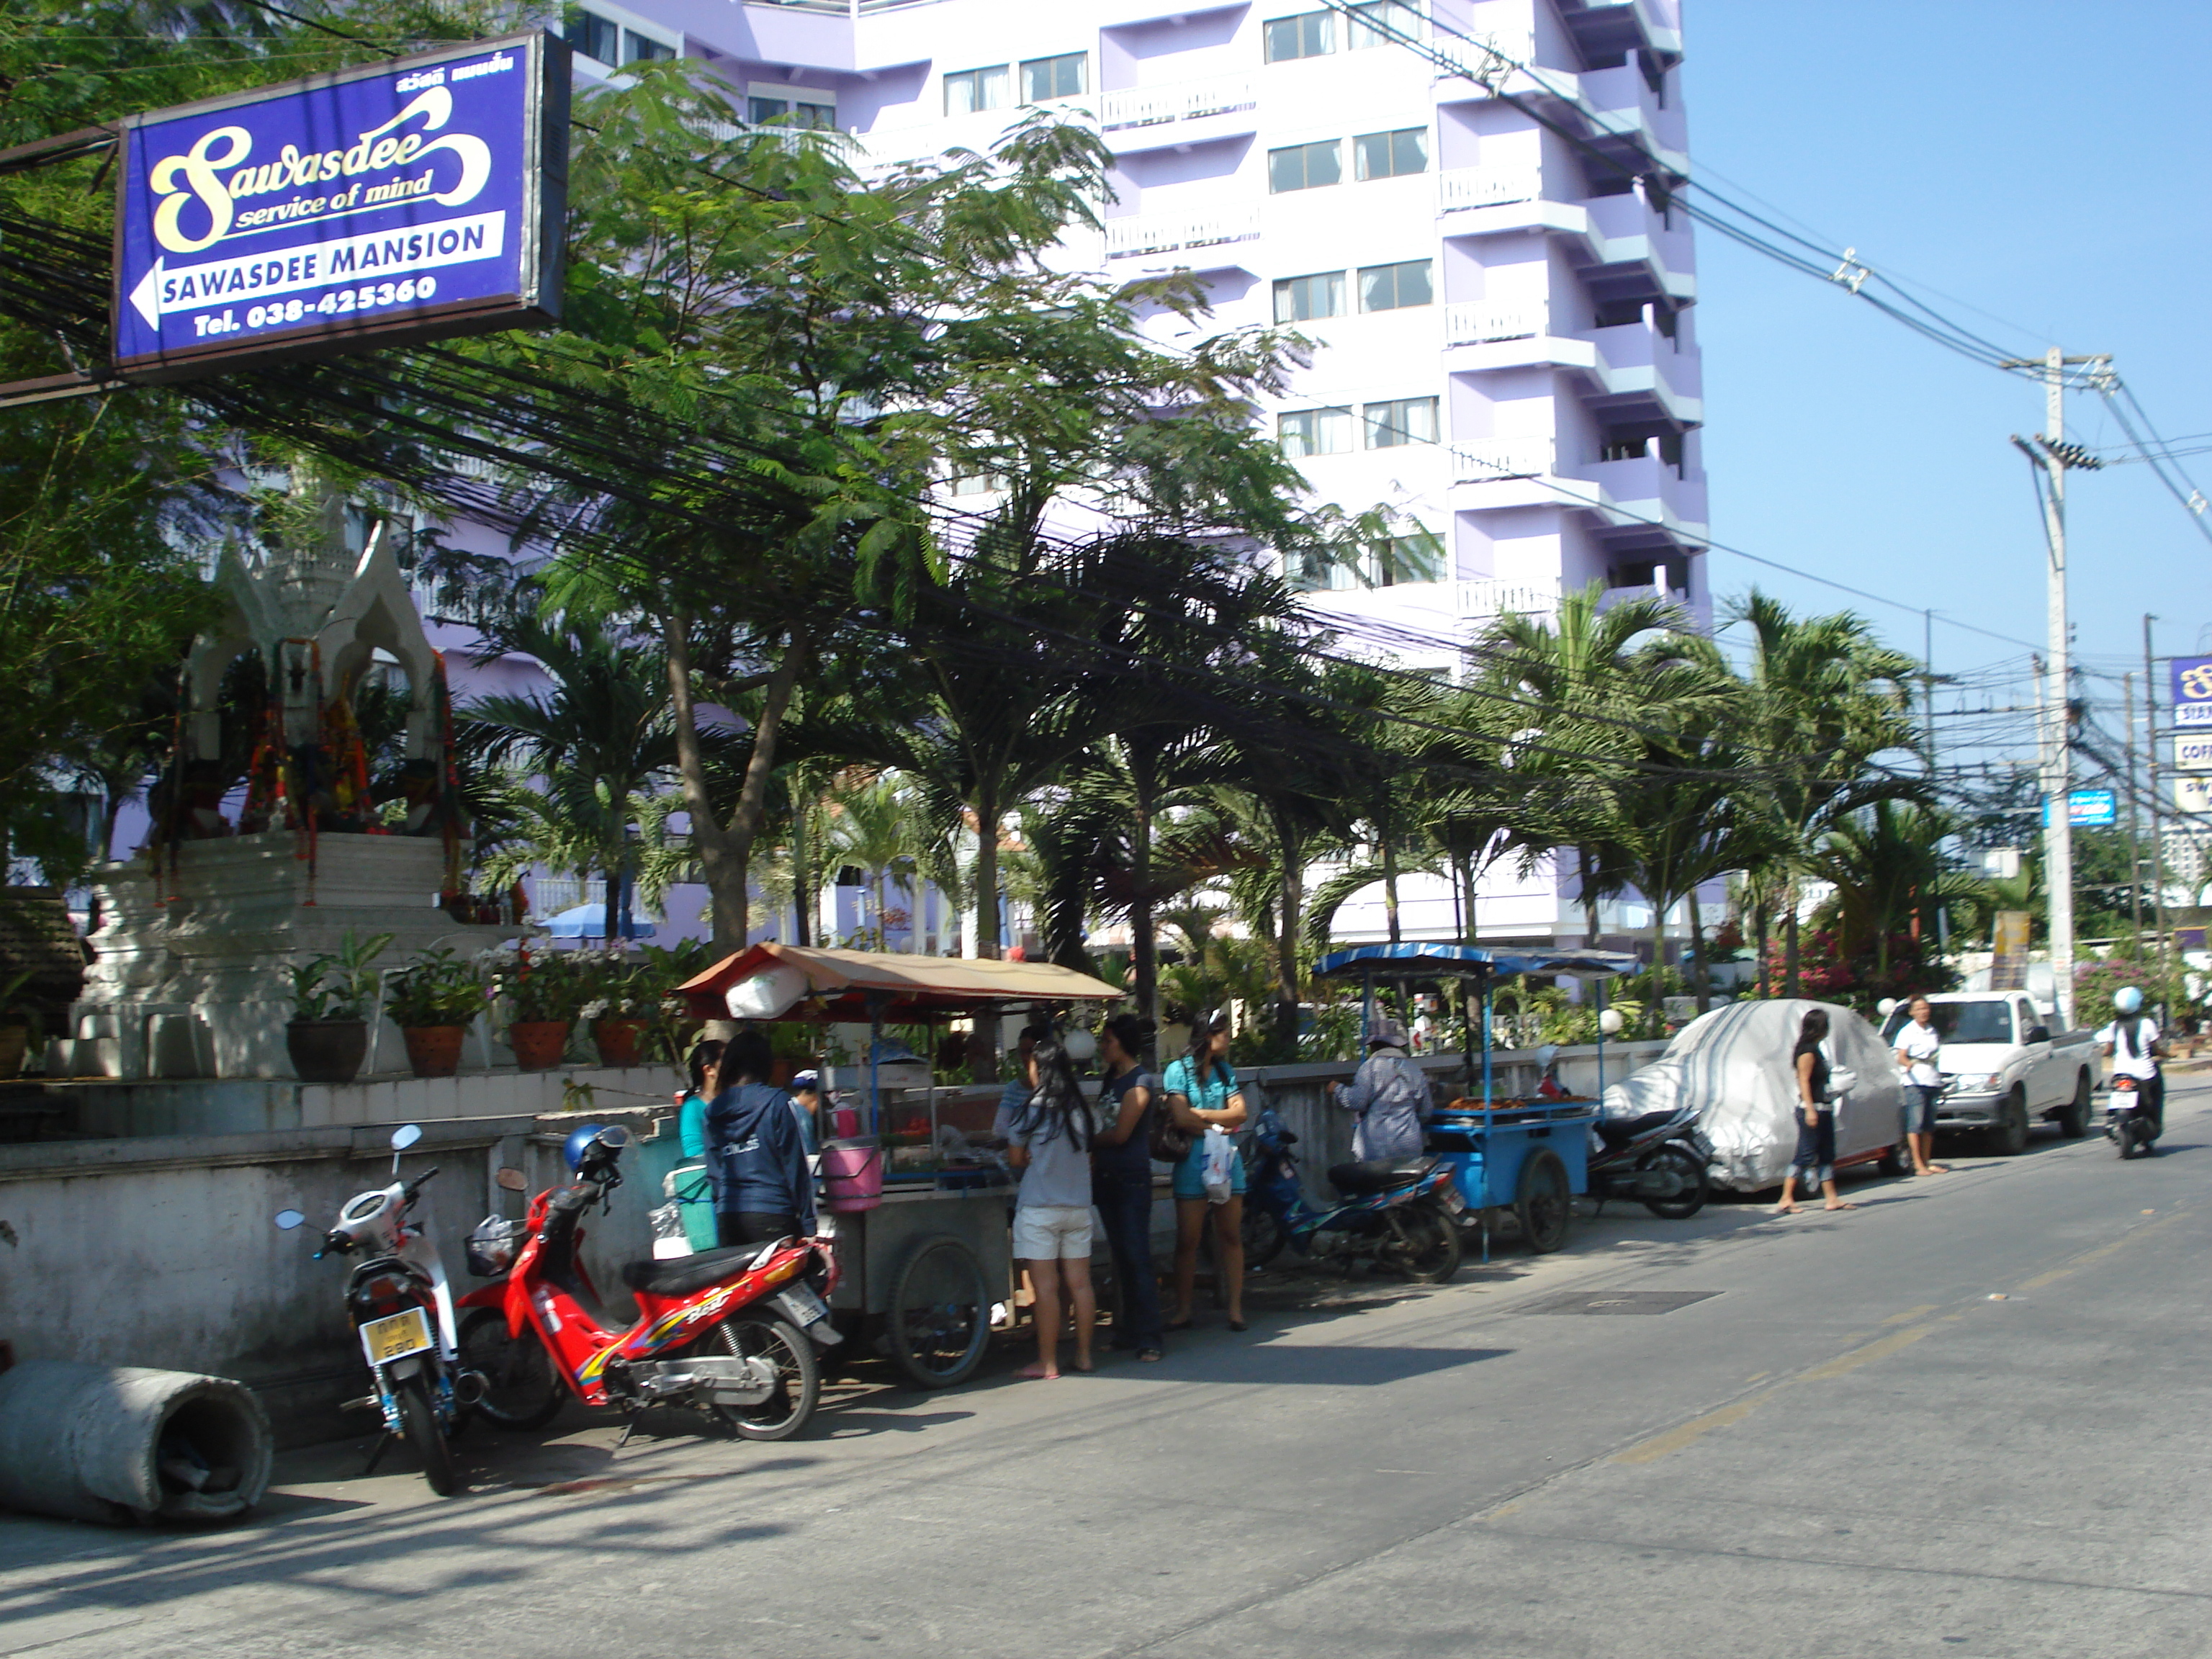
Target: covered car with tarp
[[1735, 1065]]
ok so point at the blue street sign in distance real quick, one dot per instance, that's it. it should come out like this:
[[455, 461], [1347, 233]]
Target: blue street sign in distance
[[2086, 809], [415, 199], [2192, 690]]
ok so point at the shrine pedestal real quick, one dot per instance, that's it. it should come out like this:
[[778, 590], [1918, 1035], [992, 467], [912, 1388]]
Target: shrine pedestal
[[193, 957]]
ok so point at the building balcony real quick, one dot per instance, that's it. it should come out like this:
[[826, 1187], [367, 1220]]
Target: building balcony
[[1177, 100], [1167, 233], [1609, 27], [1497, 460], [1481, 322], [1459, 189], [1487, 598]]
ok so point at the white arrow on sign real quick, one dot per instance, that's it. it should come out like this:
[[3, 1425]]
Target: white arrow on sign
[[147, 296]]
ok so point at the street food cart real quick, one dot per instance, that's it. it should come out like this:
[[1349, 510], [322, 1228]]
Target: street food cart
[[1530, 1154], [917, 1209]]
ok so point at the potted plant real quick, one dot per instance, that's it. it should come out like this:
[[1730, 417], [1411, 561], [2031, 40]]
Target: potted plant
[[432, 1000], [327, 1035], [19, 1024], [545, 992], [618, 1015]]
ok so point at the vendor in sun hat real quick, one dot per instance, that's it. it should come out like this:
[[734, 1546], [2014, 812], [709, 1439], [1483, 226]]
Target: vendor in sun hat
[[1389, 1095]]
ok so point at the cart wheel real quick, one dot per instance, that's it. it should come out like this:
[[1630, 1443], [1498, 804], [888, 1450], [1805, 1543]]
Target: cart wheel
[[940, 1315], [1542, 1202]]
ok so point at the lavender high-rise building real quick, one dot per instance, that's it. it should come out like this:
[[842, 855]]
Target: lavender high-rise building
[[1500, 296]]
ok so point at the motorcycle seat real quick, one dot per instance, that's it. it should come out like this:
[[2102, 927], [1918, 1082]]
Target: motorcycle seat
[[681, 1275], [1378, 1175], [1620, 1130]]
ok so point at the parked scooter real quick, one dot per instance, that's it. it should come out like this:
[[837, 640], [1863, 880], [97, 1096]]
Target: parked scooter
[[403, 1310], [1660, 1158], [1399, 1215], [729, 1333], [2128, 1122]]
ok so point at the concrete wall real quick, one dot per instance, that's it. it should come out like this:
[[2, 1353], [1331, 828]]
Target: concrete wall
[[163, 1252]]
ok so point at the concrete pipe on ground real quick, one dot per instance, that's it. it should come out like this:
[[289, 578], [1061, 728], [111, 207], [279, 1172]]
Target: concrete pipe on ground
[[117, 1445]]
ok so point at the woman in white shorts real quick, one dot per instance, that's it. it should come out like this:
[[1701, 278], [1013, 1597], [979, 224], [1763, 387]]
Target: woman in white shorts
[[1049, 1140]]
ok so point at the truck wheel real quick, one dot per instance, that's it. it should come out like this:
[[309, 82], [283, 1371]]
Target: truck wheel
[[2010, 1135], [2074, 1121]]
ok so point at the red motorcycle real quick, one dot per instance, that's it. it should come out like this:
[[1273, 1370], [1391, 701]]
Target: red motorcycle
[[729, 1333]]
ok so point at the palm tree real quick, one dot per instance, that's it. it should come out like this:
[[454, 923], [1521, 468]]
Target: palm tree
[[600, 736], [1887, 871], [1826, 698], [874, 829], [1561, 697]]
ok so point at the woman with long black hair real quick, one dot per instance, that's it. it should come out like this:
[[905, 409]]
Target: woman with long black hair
[[1049, 1140], [1202, 1094], [1816, 1117], [1121, 1180]]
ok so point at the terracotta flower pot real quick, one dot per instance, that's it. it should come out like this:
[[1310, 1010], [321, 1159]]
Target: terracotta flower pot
[[433, 1050], [326, 1050], [617, 1040], [538, 1044]]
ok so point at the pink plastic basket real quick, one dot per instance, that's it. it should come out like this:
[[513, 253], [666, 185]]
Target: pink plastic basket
[[853, 1174]]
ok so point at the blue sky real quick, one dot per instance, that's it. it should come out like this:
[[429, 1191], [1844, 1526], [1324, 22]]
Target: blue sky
[[2045, 163]]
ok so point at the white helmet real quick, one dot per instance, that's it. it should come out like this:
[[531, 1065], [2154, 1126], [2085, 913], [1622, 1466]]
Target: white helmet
[[2128, 999]]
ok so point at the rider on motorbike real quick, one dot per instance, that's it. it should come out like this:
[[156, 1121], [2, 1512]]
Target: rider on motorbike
[[2132, 1043], [1389, 1095]]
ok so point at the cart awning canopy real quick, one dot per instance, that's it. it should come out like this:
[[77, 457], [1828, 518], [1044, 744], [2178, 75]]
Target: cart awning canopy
[[1413, 958], [780, 982]]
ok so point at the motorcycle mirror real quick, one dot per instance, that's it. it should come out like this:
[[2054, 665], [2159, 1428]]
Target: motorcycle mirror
[[287, 1220], [514, 1180], [615, 1139], [405, 1136]]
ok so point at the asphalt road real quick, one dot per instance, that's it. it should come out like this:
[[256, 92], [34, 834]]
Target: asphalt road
[[1965, 1419]]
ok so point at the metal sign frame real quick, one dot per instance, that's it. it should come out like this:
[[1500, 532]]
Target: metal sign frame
[[535, 301]]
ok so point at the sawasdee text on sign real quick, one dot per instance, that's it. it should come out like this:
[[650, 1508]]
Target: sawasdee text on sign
[[415, 200]]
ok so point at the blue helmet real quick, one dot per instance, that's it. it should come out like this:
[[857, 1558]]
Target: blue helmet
[[578, 1144], [2128, 999]]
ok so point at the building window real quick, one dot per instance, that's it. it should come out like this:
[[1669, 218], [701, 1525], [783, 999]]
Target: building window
[[637, 49], [977, 483], [1054, 77], [1389, 288], [786, 113], [974, 89], [1401, 421], [1309, 34], [1415, 558], [1387, 154], [1382, 23], [1315, 432], [1306, 166], [1298, 299], [592, 36]]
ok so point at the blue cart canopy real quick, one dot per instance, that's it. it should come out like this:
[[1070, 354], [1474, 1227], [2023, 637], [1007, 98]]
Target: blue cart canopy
[[1412, 958]]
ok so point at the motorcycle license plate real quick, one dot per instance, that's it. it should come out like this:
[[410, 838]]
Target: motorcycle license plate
[[803, 1305], [396, 1336], [1453, 1202]]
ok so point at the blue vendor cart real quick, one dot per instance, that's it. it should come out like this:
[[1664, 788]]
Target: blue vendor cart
[[1529, 1154]]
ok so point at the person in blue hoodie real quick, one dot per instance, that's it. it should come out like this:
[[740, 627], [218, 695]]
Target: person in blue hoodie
[[762, 1188]]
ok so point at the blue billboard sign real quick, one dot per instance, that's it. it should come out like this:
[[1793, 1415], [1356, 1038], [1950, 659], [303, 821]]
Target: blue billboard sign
[[2192, 690], [2087, 808], [415, 199]]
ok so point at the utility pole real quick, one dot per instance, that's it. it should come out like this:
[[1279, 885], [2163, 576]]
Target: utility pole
[[2052, 455], [2135, 846], [2157, 832]]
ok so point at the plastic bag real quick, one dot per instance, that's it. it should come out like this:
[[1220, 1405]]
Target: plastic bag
[[669, 1238], [1220, 1160]]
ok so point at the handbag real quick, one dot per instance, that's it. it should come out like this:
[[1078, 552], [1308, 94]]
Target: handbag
[[1167, 1142], [1841, 1081]]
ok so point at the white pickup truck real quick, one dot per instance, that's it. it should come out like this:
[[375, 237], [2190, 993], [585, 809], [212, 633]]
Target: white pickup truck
[[2004, 1067]]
